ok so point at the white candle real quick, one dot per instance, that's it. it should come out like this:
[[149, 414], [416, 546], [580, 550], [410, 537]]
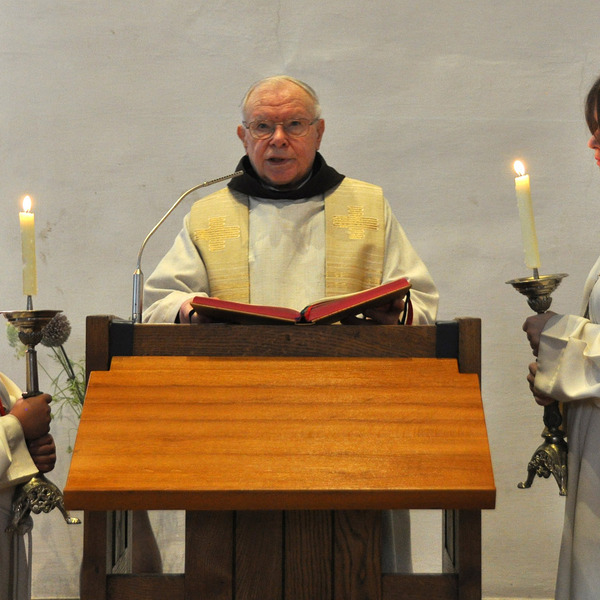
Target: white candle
[[530, 243], [27, 222]]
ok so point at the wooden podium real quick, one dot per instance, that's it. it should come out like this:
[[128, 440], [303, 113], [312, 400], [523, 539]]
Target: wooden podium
[[282, 444]]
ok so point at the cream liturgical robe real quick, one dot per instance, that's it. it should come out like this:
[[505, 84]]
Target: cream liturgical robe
[[569, 371], [16, 466], [287, 252]]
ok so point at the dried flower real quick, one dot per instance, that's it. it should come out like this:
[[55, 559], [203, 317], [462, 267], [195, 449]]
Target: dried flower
[[57, 331]]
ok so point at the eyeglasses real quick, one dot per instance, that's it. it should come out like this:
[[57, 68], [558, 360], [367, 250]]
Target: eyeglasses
[[262, 130]]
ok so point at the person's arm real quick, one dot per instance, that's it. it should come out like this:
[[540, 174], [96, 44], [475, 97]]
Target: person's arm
[[568, 364], [401, 260], [16, 462], [178, 278], [533, 328], [34, 415]]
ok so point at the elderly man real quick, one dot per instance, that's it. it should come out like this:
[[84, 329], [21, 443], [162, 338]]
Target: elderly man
[[291, 229]]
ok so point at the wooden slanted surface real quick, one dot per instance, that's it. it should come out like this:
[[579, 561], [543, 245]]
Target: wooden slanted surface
[[281, 433]]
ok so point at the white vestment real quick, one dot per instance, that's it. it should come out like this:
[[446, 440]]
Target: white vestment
[[286, 262], [16, 466], [569, 371]]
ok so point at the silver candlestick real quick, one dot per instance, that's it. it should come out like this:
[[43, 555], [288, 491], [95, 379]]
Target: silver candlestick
[[39, 494], [551, 457]]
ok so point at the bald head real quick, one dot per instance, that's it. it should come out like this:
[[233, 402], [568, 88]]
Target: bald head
[[282, 81]]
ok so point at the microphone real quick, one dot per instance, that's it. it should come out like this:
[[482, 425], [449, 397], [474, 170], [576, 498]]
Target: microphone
[[138, 276]]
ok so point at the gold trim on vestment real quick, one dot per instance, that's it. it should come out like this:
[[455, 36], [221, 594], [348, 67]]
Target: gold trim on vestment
[[356, 222], [354, 239], [217, 233]]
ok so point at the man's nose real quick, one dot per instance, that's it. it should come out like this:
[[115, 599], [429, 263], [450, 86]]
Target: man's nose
[[279, 136]]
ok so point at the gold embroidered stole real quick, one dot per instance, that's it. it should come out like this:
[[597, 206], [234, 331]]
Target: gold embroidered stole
[[219, 228], [354, 235]]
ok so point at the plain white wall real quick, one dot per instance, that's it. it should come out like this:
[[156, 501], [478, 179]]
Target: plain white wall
[[109, 111]]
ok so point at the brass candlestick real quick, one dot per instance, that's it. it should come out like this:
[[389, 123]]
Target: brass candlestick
[[551, 457], [39, 494]]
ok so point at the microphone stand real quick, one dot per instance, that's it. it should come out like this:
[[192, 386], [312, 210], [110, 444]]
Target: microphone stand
[[138, 276]]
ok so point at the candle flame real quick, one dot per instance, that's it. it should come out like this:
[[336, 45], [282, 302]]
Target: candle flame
[[27, 204], [519, 168]]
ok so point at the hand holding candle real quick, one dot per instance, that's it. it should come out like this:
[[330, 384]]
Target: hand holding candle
[[27, 222], [530, 243]]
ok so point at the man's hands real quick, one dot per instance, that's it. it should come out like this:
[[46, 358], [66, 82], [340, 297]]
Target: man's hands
[[385, 314], [34, 415], [187, 314]]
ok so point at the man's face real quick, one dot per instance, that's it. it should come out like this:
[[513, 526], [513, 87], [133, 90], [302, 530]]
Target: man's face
[[281, 160]]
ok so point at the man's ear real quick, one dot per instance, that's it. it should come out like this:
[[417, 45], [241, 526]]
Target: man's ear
[[241, 132], [320, 132]]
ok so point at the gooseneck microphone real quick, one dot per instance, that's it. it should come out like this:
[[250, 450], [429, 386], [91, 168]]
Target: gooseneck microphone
[[138, 276]]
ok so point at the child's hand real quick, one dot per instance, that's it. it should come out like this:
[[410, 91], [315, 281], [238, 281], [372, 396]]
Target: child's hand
[[43, 453], [34, 415]]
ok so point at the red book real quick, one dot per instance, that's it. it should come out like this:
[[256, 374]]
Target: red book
[[325, 311]]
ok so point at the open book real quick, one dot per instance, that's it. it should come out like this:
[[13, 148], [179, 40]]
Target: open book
[[325, 311]]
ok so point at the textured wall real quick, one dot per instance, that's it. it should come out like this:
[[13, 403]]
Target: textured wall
[[110, 110]]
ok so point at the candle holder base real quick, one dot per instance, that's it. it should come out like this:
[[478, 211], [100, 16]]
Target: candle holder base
[[38, 495], [550, 458]]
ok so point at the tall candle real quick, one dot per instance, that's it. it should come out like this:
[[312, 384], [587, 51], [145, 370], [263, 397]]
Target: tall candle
[[27, 222], [530, 243]]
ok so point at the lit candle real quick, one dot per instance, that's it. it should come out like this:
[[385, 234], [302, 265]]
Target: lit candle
[[27, 221], [530, 243]]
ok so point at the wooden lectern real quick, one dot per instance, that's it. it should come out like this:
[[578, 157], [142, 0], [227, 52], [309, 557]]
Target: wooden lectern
[[283, 444]]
